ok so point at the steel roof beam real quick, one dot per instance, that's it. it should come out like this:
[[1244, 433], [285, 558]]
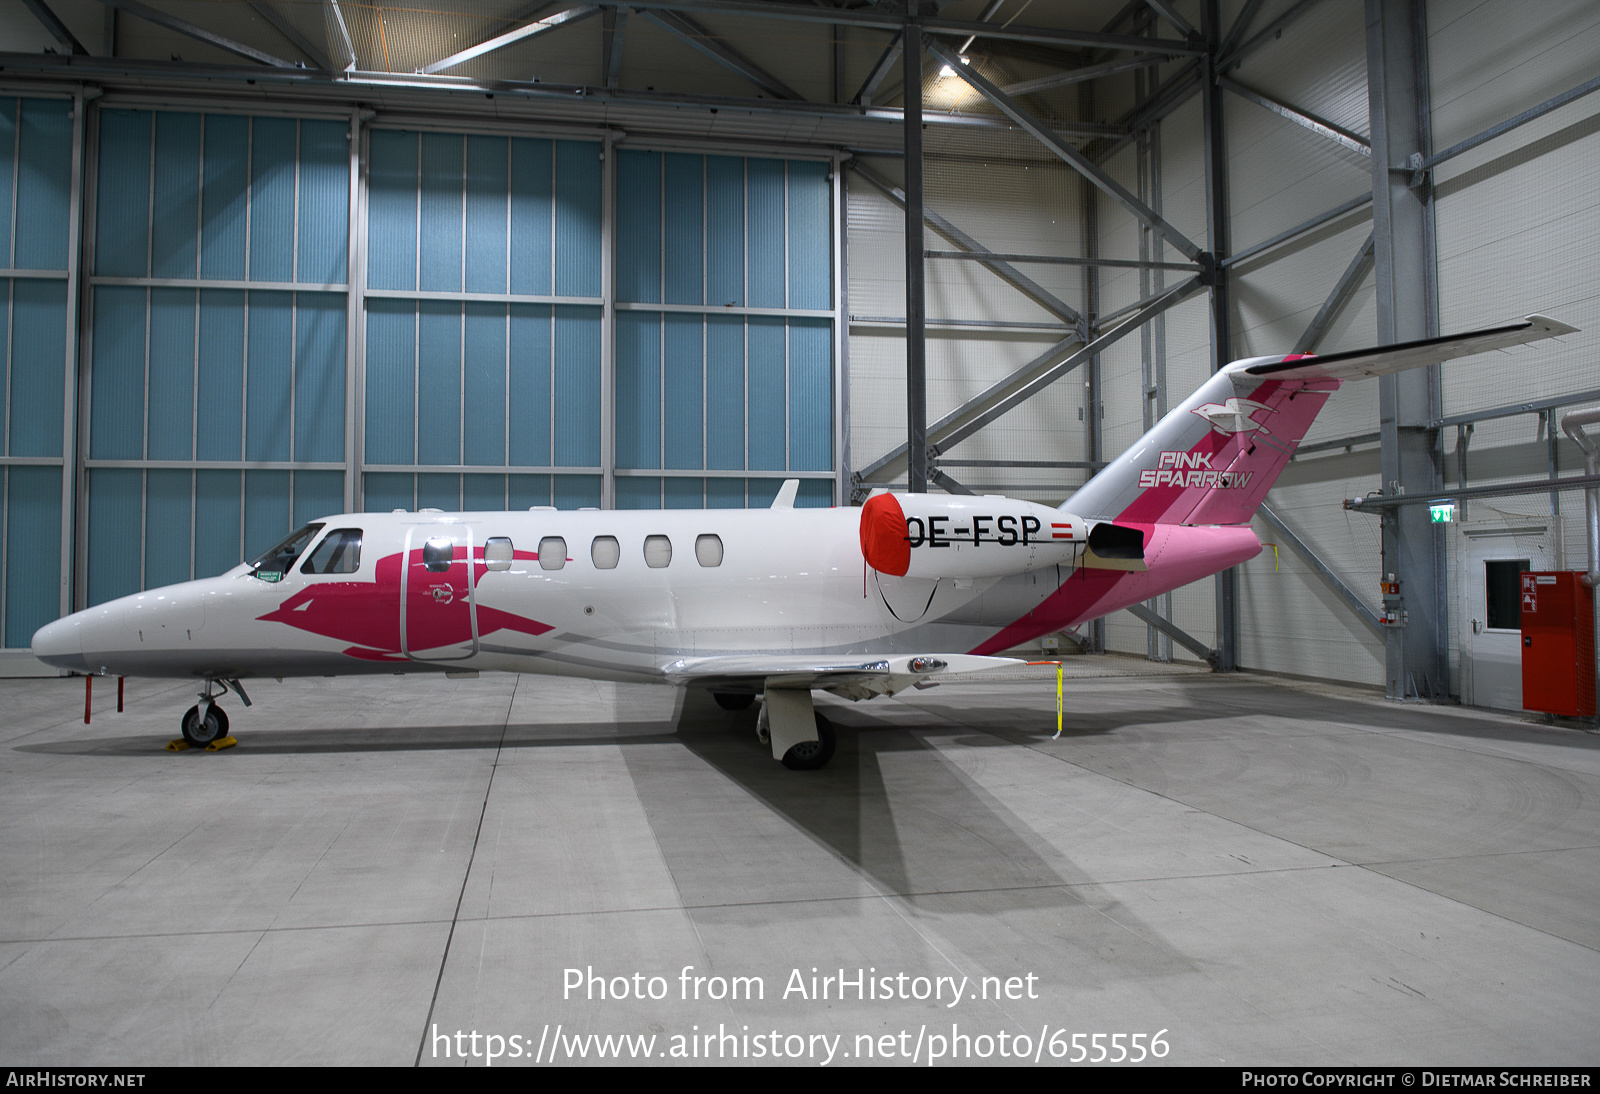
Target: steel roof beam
[[1113, 189], [885, 65], [287, 29], [1321, 126], [1003, 269], [1078, 75], [1268, 33], [334, 15], [614, 36], [173, 23], [1240, 26], [1353, 273], [511, 37], [713, 47], [1165, 9], [58, 30]]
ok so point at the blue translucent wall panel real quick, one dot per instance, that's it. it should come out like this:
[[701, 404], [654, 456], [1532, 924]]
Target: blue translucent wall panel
[[174, 233], [44, 183], [814, 494], [392, 210], [577, 386], [639, 226], [391, 380], [577, 188], [8, 171], [116, 498], [317, 494], [765, 404], [33, 551], [384, 491], [172, 355], [442, 196], [810, 235], [219, 428], [272, 236], [810, 395], [725, 231], [725, 392], [529, 386], [217, 513], [225, 180], [439, 492], [267, 514], [532, 228], [574, 491], [167, 536], [438, 382], [319, 342], [488, 214], [638, 493], [269, 357], [324, 211], [37, 357], [523, 491], [724, 493], [683, 390], [764, 179], [116, 399], [638, 389], [683, 494], [762, 491], [683, 205], [483, 493], [484, 384], [122, 210]]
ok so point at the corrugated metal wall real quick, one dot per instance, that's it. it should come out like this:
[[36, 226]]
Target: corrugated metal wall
[[35, 170], [219, 363]]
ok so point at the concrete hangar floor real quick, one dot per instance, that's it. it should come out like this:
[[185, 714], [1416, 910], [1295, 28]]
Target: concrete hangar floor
[[1202, 870]]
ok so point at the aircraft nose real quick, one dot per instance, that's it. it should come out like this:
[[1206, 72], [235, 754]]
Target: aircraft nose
[[61, 644]]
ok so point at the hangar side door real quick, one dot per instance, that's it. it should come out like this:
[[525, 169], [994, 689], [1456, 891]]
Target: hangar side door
[[438, 613], [1492, 558]]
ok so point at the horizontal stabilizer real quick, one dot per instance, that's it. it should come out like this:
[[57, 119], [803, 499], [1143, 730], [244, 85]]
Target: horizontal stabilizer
[[1383, 360]]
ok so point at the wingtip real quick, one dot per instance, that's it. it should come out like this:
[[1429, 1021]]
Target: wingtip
[[1552, 327]]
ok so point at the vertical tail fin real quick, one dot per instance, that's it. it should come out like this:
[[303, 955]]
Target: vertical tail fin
[[1211, 460]]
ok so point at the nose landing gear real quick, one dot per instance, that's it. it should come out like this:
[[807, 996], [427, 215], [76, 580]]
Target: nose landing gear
[[205, 725]]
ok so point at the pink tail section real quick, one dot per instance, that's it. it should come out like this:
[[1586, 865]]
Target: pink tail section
[[1213, 459], [1176, 556]]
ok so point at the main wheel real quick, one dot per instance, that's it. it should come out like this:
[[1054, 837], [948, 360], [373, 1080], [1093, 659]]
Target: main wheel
[[811, 755], [213, 728], [732, 700]]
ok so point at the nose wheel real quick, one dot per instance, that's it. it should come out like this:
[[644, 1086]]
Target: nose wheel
[[201, 729]]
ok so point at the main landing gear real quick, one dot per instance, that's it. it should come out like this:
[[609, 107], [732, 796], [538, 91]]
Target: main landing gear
[[803, 754], [206, 723]]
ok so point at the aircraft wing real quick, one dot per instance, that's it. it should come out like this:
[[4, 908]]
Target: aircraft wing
[[1382, 360], [875, 674]]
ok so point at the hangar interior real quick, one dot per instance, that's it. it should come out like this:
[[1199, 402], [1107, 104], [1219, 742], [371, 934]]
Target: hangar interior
[[270, 260]]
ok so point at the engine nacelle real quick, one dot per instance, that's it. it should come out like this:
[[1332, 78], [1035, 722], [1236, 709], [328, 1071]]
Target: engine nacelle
[[934, 535]]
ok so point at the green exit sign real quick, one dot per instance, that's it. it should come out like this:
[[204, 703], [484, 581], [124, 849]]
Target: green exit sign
[[1443, 512]]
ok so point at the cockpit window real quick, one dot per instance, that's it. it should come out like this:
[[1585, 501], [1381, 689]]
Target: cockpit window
[[273, 564], [338, 553]]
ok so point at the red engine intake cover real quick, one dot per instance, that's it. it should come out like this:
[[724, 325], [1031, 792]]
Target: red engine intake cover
[[885, 540]]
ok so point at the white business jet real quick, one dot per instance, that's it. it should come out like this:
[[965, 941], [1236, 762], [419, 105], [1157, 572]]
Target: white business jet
[[773, 602]]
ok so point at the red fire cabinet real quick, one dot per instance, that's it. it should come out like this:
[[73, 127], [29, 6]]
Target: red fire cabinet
[[1557, 643]]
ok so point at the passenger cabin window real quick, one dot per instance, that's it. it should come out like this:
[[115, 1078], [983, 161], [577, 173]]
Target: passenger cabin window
[[339, 553], [272, 565], [606, 552], [437, 554], [657, 551], [708, 550], [552, 553], [498, 553]]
